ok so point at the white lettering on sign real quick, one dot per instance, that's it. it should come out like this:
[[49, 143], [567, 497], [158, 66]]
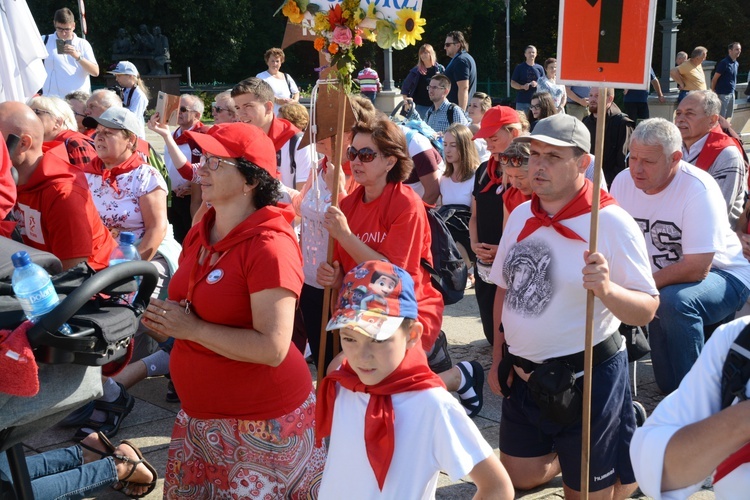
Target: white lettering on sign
[[387, 8]]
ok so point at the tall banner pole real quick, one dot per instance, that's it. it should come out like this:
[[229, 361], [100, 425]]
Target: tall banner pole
[[82, 17]]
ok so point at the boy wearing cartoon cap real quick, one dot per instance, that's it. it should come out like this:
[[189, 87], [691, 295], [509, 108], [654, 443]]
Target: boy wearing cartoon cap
[[379, 404]]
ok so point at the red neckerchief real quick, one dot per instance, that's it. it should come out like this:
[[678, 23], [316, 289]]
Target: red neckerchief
[[109, 175], [512, 197], [280, 132], [740, 457], [495, 178], [579, 205], [716, 142], [412, 374], [183, 139]]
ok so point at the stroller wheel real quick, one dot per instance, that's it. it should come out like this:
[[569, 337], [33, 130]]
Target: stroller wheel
[[640, 413]]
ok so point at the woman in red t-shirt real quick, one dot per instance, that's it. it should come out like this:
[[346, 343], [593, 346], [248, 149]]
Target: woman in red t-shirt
[[248, 406], [385, 220]]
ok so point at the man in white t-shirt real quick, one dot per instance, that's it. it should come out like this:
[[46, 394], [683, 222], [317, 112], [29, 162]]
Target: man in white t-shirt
[[543, 270], [690, 437], [254, 99], [68, 69], [696, 259]]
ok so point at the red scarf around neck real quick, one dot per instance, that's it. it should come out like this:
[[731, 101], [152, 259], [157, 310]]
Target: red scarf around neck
[[579, 205], [280, 132], [496, 178], [109, 175], [412, 374]]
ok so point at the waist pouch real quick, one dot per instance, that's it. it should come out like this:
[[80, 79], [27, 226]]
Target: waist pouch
[[553, 388]]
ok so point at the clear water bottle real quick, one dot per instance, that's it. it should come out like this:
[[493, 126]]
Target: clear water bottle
[[33, 288], [126, 252]]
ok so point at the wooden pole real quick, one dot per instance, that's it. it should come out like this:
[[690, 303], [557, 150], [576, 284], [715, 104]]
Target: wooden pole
[[338, 153], [588, 342]]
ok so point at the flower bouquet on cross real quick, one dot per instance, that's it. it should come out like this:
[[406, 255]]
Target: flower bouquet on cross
[[342, 26]]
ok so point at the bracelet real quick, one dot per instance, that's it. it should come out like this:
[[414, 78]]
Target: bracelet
[[79, 58]]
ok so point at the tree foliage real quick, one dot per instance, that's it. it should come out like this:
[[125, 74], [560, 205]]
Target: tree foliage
[[225, 40]]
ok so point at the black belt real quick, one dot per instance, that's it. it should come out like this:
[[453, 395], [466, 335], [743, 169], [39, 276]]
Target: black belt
[[602, 352]]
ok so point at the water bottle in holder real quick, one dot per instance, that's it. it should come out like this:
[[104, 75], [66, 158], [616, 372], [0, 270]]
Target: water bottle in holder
[[34, 290]]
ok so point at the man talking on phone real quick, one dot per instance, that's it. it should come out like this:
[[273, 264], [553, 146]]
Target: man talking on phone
[[71, 60]]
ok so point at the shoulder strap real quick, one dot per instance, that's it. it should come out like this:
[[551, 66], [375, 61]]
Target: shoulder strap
[[736, 371], [292, 160], [46, 37], [451, 116], [288, 84]]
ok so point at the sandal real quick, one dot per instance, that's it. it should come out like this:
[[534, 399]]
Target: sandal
[[116, 412], [472, 405], [134, 465]]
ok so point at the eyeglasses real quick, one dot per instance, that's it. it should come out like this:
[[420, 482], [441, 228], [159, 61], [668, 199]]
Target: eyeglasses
[[212, 162], [79, 114], [432, 87], [366, 155], [40, 112], [512, 160], [183, 109], [535, 106], [448, 44], [218, 109], [63, 30]]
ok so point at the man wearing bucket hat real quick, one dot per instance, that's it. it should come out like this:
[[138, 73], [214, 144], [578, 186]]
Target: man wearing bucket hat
[[379, 404], [542, 304]]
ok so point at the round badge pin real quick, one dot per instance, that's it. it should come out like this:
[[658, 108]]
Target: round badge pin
[[214, 276]]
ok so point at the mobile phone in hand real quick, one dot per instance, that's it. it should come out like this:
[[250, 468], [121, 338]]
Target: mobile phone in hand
[[61, 45]]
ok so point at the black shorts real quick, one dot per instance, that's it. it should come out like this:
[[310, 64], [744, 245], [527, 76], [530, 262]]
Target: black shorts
[[612, 425]]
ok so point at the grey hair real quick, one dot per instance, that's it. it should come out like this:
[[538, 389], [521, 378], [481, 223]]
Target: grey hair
[[78, 95], [107, 98], [711, 102], [57, 108], [195, 102], [658, 132]]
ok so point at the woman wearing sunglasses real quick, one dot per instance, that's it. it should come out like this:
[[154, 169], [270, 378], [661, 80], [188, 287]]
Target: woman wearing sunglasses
[[542, 106], [222, 109], [248, 405], [515, 164], [456, 185], [500, 125], [385, 219]]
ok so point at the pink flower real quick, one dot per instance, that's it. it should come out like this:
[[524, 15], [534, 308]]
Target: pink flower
[[342, 35], [358, 41]]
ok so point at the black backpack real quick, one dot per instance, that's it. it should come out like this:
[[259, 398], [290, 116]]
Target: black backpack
[[736, 370], [448, 270]]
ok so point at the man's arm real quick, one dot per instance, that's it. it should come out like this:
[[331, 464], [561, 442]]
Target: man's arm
[[714, 80], [518, 86], [677, 77], [572, 96], [692, 268], [463, 93], [431, 184], [629, 306], [657, 87]]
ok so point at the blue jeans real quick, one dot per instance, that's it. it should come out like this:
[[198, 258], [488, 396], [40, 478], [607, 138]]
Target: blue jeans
[[682, 95], [61, 473], [727, 105], [676, 334]]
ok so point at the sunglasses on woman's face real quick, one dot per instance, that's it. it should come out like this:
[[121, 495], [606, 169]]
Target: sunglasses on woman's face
[[366, 155], [513, 161]]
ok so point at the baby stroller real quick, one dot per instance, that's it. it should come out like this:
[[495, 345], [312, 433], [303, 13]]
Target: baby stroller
[[103, 326]]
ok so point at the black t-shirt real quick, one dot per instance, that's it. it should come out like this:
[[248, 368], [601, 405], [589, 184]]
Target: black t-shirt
[[489, 206], [420, 93]]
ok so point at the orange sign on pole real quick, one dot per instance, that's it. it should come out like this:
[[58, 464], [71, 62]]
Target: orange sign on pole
[[605, 43]]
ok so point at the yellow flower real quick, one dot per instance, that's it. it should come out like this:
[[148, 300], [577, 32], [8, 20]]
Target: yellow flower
[[409, 26], [371, 10], [320, 23], [319, 43], [291, 10]]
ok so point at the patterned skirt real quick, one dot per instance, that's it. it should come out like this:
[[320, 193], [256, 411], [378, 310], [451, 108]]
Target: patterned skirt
[[230, 458]]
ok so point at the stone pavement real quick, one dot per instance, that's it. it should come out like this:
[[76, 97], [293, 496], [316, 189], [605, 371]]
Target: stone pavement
[[149, 425]]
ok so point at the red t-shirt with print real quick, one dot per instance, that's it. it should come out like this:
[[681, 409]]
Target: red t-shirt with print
[[396, 225]]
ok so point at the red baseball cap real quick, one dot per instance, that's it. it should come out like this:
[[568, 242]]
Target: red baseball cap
[[239, 140], [495, 118]]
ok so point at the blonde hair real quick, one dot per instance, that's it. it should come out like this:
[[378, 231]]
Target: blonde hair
[[295, 113], [57, 108], [468, 156], [428, 49]]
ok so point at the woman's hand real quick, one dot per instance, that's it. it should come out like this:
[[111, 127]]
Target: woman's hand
[[485, 252], [154, 125], [329, 275], [336, 224], [168, 318], [745, 240], [330, 171]]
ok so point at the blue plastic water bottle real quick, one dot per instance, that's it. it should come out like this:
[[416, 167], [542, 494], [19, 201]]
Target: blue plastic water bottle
[[126, 252], [34, 290]]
